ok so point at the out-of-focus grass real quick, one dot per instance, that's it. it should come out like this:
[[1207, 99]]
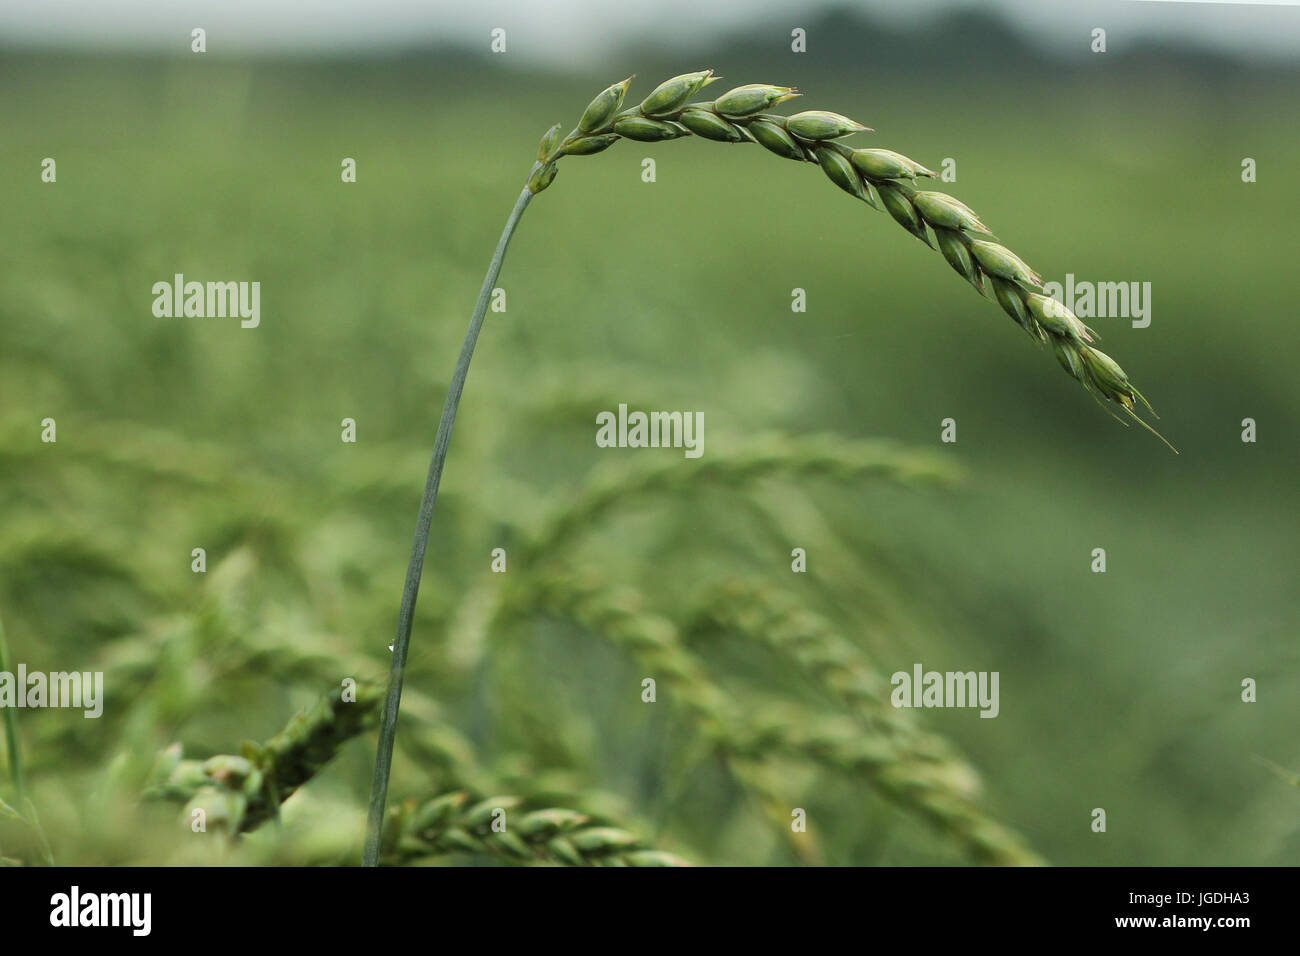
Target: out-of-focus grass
[[1118, 691]]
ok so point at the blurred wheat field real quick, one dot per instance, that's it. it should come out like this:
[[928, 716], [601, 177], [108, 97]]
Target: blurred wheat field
[[1120, 690]]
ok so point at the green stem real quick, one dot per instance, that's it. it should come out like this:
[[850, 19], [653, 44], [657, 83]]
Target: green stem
[[11, 727], [388, 717]]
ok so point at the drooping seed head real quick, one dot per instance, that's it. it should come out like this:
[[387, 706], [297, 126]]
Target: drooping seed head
[[998, 260], [603, 107], [589, 145], [818, 124], [752, 98], [887, 164], [1057, 318], [671, 95], [774, 138], [547, 146], [710, 125], [964, 241], [645, 130], [940, 209]]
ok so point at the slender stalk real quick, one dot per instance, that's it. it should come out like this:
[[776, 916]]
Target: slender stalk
[[11, 727], [388, 717]]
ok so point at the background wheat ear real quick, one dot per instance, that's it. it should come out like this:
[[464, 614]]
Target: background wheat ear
[[918, 770], [457, 822], [240, 792]]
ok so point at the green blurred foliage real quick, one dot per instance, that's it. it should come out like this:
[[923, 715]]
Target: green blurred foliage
[[1118, 690]]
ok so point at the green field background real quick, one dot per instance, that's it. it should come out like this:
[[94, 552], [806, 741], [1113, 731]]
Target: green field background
[[1118, 690]]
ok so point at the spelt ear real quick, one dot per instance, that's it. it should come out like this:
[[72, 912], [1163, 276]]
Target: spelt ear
[[249, 788], [879, 177], [456, 822], [921, 772]]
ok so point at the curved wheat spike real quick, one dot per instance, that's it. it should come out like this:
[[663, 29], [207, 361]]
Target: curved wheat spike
[[878, 177], [239, 793], [618, 484], [765, 456], [919, 770], [910, 770], [458, 823], [620, 616]]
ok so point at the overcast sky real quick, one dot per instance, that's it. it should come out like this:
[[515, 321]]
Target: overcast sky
[[563, 31]]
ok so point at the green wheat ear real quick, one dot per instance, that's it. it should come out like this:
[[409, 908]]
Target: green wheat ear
[[878, 177], [240, 792], [457, 823]]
